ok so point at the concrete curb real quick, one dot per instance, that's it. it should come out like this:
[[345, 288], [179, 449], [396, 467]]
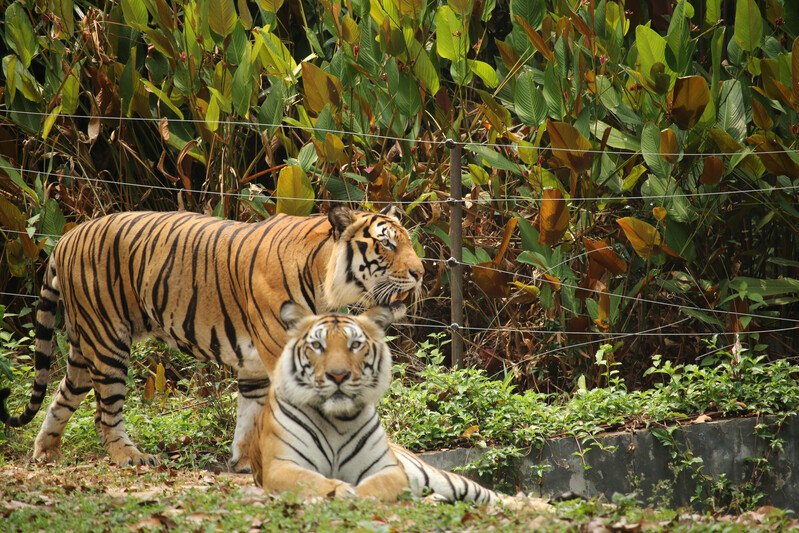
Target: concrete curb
[[636, 461]]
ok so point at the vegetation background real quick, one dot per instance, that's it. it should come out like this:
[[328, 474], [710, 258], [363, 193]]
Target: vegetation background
[[630, 168]]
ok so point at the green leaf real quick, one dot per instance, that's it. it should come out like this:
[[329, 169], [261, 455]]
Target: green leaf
[[162, 96], [294, 192], [271, 111], [552, 93], [666, 193], [64, 9], [135, 13], [748, 25], [19, 78], [485, 72], [222, 16], [70, 91], [243, 85], [528, 100], [765, 287], [16, 178], [403, 89], [493, 159], [451, 36], [49, 120], [212, 114], [712, 11], [651, 53], [422, 66], [616, 139], [732, 112], [52, 219], [238, 45], [532, 11], [19, 33], [650, 148]]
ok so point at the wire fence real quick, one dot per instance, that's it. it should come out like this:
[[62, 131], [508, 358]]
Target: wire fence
[[456, 328], [419, 140]]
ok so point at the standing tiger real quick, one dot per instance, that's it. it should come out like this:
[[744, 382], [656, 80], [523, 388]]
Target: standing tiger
[[212, 288], [319, 434]]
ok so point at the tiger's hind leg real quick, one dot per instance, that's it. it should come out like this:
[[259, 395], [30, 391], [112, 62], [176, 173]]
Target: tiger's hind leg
[[109, 378], [252, 397], [73, 388]]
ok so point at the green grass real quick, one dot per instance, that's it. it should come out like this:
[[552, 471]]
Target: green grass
[[98, 496], [192, 421]]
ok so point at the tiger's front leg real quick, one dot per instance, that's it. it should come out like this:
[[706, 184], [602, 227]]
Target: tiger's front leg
[[386, 485], [251, 398]]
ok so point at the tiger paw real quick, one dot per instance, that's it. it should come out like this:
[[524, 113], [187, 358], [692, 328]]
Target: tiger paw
[[135, 458], [46, 455], [241, 466], [344, 491]]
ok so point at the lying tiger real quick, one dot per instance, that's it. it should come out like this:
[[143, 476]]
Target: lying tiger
[[212, 288], [320, 435]]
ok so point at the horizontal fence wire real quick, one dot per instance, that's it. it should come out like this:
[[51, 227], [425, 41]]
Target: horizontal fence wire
[[654, 332], [544, 280], [448, 142], [245, 194], [622, 296]]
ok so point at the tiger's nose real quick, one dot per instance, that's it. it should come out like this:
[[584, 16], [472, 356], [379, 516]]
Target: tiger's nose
[[416, 273], [338, 376]]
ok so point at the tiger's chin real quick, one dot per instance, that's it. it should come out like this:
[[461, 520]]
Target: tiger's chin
[[341, 406]]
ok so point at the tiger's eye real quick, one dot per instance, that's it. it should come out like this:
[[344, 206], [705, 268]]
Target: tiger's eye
[[356, 345], [316, 345]]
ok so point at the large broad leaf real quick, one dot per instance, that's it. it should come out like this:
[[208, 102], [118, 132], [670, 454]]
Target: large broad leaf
[[652, 56], [644, 237], [765, 287], [19, 33], [135, 13], [243, 84], [665, 192], [320, 88], [423, 67], [748, 25], [650, 149], [404, 89], [732, 113], [451, 35], [528, 100], [275, 57], [271, 6], [294, 191], [602, 253], [531, 11], [554, 217], [493, 158], [569, 146], [669, 146], [485, 72], [691, 96], [222, 16], [64, 10]]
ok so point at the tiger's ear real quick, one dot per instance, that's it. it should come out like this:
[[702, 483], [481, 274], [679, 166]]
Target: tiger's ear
[[340, 217], [385, 315], [391, 211], [291, 314]]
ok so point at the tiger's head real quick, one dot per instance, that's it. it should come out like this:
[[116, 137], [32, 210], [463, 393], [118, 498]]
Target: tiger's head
[[335, 363], [373, 262]]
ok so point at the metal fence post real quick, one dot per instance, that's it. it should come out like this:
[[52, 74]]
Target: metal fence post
[[456, 244]]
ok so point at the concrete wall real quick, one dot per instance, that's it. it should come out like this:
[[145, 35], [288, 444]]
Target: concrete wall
[[641, 463]]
